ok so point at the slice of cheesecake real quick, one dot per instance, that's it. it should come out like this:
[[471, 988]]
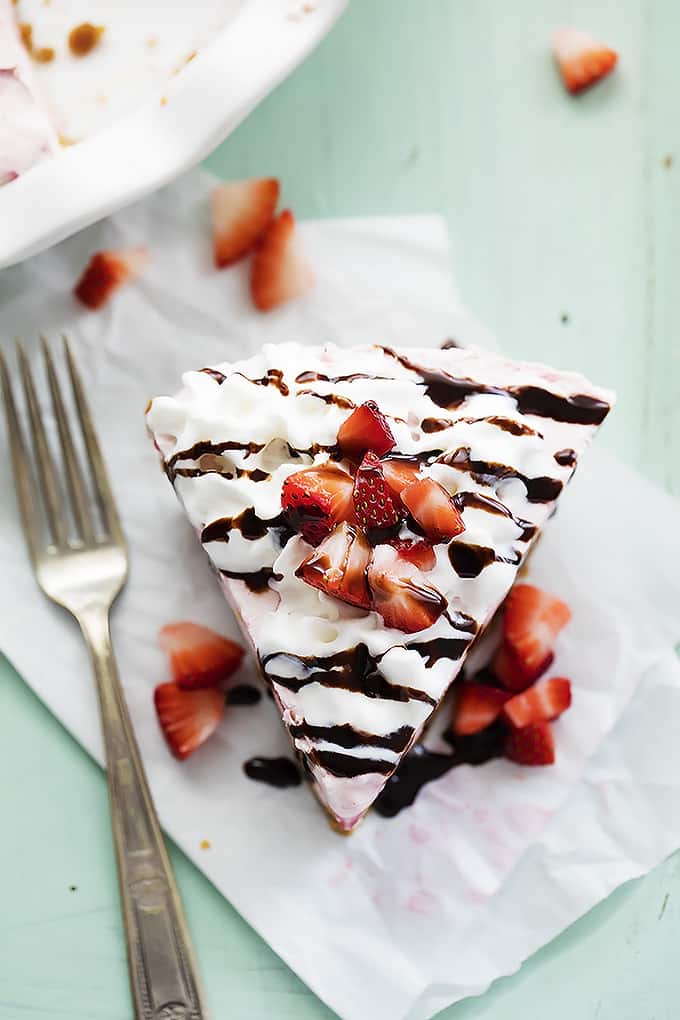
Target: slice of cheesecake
[[26, 134], [367, 511]]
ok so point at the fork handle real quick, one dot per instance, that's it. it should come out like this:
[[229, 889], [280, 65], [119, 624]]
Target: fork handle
[[163, 973]]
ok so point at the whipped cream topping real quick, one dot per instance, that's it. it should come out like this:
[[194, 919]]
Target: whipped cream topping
[[26, 135], [502, 437]]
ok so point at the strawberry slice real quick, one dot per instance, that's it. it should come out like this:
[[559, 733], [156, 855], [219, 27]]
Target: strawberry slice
[[187, 718], [420, 553], [338, 567], [433, 509], [477, 706], [581, 60], [279, 273], [399, 472], [241, 212], [198, 655], [541, 703], [365, 429], [106, 271], [399, 598], [532, 745], [511, 673], [533, 619], [318, 498], [374, 504]]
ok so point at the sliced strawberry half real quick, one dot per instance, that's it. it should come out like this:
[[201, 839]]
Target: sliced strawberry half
[[318, 498], [106, 272], [198, 655], [582, 61], [477, 706], [433, 509], [420, 552], [399, 472], [374, 504], [187, 718], [401, 600], [532, 621], [338, 567], [512, 674], [543, 702], [532, 745], [241, 212], [365, 429], [278, 274]]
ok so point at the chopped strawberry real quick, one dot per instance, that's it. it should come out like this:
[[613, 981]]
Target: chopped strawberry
[[374, 504], [401, 600], [106, 271], [338, 567], [510, 671], [241, 212], [365, 429], [279, 273], [199, 656], [532, 745], [477, 706], [187, 718], [420, 553], [399, 472], [533, 619], [582, 61], [433, 509], [541, 703], [318, 498]]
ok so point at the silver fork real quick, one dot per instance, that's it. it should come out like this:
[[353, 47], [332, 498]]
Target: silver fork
[[82, 566]]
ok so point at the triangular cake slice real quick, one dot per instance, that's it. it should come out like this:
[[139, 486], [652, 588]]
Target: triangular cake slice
[[367, 511]]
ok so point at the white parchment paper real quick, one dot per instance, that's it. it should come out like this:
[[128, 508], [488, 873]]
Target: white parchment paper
[[413, 913]]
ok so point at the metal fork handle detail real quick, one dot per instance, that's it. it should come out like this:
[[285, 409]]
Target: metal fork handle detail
[[163, 974]]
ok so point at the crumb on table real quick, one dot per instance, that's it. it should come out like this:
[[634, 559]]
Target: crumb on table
[[26, 33], [44, 55], [83, 38], [152, 41], [205, 844]]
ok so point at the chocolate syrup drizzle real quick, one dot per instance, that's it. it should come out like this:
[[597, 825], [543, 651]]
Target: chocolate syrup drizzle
[[279, 772], [539, 490]]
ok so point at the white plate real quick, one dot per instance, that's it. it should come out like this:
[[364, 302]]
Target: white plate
[[143, 112]]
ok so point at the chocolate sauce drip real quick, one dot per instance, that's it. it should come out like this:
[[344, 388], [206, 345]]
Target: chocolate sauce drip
[[306, 377], [274, 377], [243, 694], [447, 391], [256, 580], [215, 374], [280, 772], [515, 428], [206, 446], [470, 560], [250, 525], [430, 425], [352, 670], [566, 458], [346, 736], [347, 766], [330, 398], [461, 621], [450, 344], [256, 475], [539, 490], [476, 501], [440, 648]]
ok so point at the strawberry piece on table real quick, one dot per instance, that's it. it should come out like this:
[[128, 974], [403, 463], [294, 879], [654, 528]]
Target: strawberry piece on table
[[106, 272], [278, 274], [433, 509], [338, 567], [532, 745], [318, 498], [399, 472], [187, 718], [198, 655], [581, 60], [365, 429], [374, 504], [241, 212], [420, 553], [477, 706], [532, 621], [542, 703], [403, 602], [511, 673]]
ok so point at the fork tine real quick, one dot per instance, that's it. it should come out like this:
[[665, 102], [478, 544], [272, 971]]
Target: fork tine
[[74, 475], [98, 473], [27, 493], [47, 476]]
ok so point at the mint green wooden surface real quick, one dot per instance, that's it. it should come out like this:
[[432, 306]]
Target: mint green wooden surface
[[564, 217]]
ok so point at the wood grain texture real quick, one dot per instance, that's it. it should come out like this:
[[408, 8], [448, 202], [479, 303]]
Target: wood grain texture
[[563, 217]]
